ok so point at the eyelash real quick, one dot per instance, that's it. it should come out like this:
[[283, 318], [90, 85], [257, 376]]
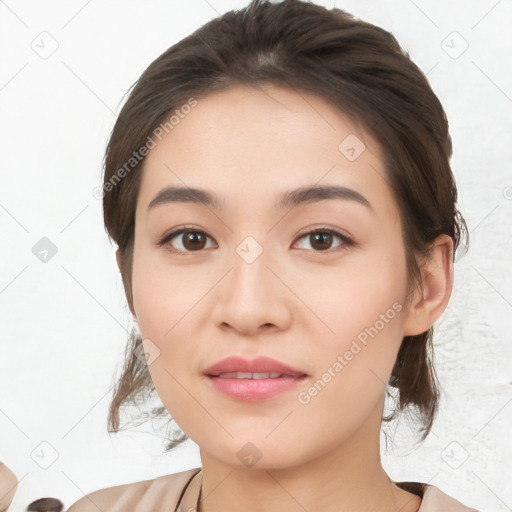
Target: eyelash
[[347, 242]]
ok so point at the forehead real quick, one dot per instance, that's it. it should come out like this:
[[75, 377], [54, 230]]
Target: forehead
[[247, 144]]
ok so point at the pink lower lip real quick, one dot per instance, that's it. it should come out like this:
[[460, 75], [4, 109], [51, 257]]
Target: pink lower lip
[[254, 389]]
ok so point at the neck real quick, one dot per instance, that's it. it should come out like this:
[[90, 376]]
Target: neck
[[349, 478]]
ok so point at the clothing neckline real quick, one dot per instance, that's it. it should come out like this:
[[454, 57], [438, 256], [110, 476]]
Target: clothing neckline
[[191, 494], [417, 488]]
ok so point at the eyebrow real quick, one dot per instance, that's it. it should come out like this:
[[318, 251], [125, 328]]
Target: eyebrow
[[291, 198]]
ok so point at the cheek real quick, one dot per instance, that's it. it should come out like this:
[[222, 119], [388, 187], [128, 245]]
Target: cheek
[[354, 362], [352, 296], [362, 321], [164, 294], [164, 299]]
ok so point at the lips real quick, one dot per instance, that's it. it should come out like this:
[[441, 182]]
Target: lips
[[259, 379], [249, 375], [260, 365]]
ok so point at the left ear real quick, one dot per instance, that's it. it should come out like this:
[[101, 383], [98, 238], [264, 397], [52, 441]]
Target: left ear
[[431, 296]]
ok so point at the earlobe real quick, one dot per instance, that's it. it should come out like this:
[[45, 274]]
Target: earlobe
[[431, 297]]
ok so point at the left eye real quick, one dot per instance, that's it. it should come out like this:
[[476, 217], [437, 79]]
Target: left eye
[[194, 240], [322, 238]]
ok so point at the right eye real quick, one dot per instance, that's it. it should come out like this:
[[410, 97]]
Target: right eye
[[191, 240]]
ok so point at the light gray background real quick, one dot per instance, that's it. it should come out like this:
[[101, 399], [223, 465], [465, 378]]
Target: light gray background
[[64, 322]]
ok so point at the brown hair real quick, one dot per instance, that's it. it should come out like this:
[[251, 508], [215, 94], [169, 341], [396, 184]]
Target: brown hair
[[361, 70], [46, 505]]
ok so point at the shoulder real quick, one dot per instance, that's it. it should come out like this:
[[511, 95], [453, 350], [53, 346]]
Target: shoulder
[[143, 495], [435, 499]]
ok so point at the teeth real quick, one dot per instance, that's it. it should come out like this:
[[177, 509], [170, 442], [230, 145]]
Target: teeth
[[246, 375]]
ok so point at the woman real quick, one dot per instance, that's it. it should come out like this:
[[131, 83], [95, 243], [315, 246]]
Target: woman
[[279, 188]]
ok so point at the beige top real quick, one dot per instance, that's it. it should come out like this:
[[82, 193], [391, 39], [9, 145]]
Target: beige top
[[179, 492]]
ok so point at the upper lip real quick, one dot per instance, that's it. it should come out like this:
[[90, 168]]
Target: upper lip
[[261, 364]]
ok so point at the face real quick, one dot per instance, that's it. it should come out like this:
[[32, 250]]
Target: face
[[319, 285]]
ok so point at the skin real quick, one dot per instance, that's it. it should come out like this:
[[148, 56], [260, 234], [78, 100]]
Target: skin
[[296, 303]]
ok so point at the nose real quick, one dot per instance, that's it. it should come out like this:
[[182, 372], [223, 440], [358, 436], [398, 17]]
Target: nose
[[253, 296]]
